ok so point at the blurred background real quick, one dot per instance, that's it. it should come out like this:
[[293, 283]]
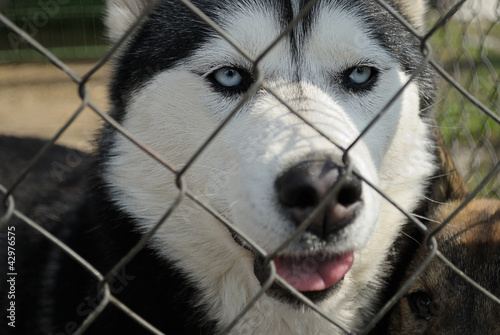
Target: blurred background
[[36, 98]]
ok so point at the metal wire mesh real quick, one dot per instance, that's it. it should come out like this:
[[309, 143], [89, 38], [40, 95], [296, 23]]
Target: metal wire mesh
[[466, 52]]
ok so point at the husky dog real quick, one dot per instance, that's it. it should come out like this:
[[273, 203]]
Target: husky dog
[[440, 301], [175, 81]]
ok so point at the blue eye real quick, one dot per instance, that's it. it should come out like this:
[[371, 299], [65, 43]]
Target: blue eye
[[360, 75], [228, 77], [230, 80]]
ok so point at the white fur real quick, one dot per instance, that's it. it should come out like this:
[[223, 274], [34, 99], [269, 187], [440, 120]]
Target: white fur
[[415, 11], [176, 112], [120, 15]]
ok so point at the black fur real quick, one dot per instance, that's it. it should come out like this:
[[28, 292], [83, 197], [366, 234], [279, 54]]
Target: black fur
[[54, 293]]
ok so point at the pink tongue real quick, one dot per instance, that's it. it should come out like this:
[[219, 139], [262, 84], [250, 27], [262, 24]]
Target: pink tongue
[[313, 273]]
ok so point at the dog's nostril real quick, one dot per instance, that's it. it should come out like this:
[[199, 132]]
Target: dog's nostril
[[303, 187], [350, 192], [300, 196]]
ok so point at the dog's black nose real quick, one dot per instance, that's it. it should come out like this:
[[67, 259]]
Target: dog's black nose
[[302, 188]]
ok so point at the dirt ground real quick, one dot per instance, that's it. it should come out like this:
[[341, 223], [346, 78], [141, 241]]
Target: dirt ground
[[36, 99]]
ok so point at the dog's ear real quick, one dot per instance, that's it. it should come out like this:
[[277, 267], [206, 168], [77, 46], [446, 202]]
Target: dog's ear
[[120, 15], [414, 11]]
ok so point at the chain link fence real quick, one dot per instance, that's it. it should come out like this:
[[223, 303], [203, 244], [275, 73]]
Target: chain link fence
[[465, 48]]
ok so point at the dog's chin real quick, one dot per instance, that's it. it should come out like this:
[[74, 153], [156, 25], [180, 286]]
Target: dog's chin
[[317, 276]]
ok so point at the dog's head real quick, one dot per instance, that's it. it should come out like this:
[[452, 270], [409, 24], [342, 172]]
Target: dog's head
[[297, 140], [440, 301]]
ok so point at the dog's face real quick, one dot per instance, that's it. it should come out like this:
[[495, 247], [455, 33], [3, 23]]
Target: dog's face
[[268, 167], [440, 301]]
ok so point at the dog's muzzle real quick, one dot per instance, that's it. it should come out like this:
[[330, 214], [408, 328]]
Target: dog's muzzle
[[314, 266]]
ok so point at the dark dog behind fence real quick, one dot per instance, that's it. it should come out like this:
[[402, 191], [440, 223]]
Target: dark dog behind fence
[[111, 283]]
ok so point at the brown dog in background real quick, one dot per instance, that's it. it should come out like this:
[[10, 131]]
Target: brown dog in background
[[440, 301]]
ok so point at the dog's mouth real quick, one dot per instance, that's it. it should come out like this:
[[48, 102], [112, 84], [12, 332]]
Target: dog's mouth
[[313, 273], [316, 276]]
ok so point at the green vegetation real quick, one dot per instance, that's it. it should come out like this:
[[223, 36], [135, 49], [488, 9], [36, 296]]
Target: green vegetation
[[71, 29], [470, 53]]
